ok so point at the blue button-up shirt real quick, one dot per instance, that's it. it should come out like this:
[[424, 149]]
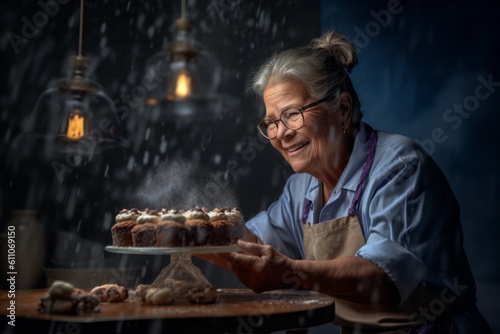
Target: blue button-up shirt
[[408, 213]]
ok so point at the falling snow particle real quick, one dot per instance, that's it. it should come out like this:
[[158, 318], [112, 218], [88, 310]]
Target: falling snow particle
[[163, 145], [130, 164], [151, 32]]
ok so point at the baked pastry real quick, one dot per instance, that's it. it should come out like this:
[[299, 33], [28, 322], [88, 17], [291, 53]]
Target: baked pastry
[[171, 231], [121, 231], [175, 215], [222, 232], [109, 293], [138, 294], [176, 228], [159, 296], [237, 221], [200, 230], [63, 298], [144, 235], [202, 295], [144, 232]]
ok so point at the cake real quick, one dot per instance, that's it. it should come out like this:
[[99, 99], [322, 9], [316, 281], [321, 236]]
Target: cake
[[200, 229], [144, 232], [121, 231], [171, 231], [222, 228]]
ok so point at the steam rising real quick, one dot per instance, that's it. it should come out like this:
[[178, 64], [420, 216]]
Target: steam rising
[[181, 185]]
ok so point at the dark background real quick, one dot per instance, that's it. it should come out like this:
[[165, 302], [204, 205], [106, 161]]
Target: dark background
[[415, 64]]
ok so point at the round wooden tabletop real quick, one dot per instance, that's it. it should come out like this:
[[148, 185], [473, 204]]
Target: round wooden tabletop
[[237, 311]]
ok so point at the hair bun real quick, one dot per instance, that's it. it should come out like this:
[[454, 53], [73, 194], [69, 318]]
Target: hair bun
[[338, 46]]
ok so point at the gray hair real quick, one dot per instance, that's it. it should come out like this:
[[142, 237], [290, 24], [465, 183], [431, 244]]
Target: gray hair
[[322, 67]]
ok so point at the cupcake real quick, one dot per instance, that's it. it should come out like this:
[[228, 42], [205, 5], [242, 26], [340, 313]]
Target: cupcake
[[144, 232], [121, 231], [171, 231], [175, 215], [223, 230], [237, 222], [199, 227]]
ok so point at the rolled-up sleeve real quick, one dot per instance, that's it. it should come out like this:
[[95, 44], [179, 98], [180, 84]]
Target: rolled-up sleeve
[[404, 268], [280, 225]]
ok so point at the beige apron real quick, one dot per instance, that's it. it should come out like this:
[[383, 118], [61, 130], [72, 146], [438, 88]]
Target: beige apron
[[343, 237]]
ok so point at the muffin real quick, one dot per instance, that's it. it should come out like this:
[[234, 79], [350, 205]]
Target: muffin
[[200, 229], [121, 231], [175, 215], [144, 232], [170, 232], [144, 235], [237, 222], [222, 231], [149, 216]]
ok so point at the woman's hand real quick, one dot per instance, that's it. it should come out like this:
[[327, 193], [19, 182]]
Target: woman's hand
[[260, 267]]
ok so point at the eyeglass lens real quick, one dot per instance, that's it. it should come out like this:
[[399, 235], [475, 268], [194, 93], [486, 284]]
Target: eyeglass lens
[[291, 118]]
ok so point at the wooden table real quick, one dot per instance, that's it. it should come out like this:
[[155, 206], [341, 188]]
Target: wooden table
[[238, 311]]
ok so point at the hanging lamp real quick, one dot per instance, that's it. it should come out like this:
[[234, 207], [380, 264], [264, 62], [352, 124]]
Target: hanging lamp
[[186, 78], [74, 115]]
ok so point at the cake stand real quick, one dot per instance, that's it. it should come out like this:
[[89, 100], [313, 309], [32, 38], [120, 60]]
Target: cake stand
[[180, 274]]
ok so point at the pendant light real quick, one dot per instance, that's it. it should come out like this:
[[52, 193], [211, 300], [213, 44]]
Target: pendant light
[[186, 77], [74, 114]]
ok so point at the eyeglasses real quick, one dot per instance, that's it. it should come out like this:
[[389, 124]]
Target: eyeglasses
[[292, 118]]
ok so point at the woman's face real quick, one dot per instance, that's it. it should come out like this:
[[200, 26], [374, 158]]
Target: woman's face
[[314, 147]]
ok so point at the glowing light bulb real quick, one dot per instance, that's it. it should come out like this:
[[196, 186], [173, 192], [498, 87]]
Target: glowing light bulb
[[183, 84], [77, 124], [76, 127]]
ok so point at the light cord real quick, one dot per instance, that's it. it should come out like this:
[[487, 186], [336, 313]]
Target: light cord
[[81, 29]]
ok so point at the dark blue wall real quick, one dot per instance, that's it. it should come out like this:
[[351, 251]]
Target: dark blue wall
[[423, 71]]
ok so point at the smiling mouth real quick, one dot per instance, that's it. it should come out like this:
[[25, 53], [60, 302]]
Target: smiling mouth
[[296, 147]]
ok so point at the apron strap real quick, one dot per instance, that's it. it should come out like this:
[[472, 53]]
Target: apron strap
[[305, 213], [372, 144]]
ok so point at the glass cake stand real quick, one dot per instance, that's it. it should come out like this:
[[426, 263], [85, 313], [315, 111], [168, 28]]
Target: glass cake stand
[[180, 274]]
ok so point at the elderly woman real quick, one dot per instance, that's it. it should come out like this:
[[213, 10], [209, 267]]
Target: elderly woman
[[367, 218]]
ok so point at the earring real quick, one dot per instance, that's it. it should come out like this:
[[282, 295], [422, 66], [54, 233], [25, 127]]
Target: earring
[[342, 127]]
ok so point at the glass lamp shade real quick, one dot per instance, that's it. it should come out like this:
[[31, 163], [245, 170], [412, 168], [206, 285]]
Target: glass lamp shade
[[182, 81], [75, 114]]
